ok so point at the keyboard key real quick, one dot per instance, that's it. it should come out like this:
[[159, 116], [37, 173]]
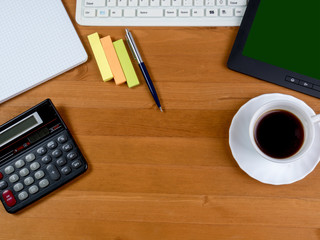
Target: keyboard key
[[61, 161], [35, 166], [39, 174], [8, 170], [13, 178], [62, 138], [197, 12], [89, 12], [18, 187], [237, 2], [95, 3], [41, 150], [239, 12], [221, 2], [66, 170], [23, 195], [170, 12], [56, 153], [28, 181], [72, 155], [116, 13], [211, 12], [143, 3], [33, 189], [133, 3], [103, 13], [9, 198], [67, 147], [3, 185], [187, 3], [30, 157], [166, 3], [53, 172], [122, 3], [111, 3], [184, 13], [176, 3], [24, 172], [198, 3], [210, 3], [46, 159], [150, 12], [52, 145], [226, 12], [19, 164], [43, 183], [154, 3], [76, 164], [129, 12]]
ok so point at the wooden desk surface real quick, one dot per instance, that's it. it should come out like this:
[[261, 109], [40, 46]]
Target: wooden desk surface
[[162, 176]]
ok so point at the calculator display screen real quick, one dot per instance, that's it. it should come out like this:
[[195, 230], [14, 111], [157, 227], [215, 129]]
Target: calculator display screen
[[20, 128]]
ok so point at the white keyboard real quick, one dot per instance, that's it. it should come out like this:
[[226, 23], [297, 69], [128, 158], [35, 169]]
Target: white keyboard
[[160, 12]]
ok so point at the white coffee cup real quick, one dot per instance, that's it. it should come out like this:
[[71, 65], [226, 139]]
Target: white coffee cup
[[297, 109]]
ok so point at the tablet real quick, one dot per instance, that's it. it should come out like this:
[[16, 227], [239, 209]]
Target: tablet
[[279, 42]]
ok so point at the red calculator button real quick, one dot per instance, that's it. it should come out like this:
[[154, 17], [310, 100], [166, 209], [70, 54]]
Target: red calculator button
[[9, 198], [1, 176]]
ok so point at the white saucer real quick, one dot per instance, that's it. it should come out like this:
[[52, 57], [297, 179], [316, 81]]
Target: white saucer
[[252, 162]]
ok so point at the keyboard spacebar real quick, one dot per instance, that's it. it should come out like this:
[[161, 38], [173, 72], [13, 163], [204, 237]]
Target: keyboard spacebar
[[150, 12]]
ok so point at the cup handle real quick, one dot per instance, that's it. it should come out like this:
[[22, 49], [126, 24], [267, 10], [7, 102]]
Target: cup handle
[[315, 118]]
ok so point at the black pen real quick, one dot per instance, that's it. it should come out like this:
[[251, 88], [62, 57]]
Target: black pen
[[136, 55]]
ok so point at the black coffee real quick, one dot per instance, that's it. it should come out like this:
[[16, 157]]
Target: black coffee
[[279, 134]]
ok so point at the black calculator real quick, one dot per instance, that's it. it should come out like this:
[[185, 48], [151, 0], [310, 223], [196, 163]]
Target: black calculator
[[37, 155]]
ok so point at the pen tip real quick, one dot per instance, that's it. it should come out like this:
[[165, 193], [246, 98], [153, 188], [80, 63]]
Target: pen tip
[[161, 109]]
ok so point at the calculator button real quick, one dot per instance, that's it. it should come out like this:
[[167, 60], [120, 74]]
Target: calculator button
[[18, 187], [23, 195], [19, 164], [43, 183], [53, 172], [46, 159], [28, 181], [3, 185], [67, 147], [8, 170], [52, 145], [62, 139], [61, 161], [24, 172], [30, 157], [1, 176], [9, 198], [66, 170], [76, 164], [72, 155], [56, 153], [42, 150], [33, 189], [39, 174], [34, 166], [13, 178]]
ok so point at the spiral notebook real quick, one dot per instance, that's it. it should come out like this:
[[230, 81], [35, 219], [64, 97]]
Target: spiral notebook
[[37, 43]]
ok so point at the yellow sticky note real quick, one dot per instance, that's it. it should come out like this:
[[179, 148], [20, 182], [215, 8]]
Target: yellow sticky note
[[126, 64], [100, 57], [113, 60]]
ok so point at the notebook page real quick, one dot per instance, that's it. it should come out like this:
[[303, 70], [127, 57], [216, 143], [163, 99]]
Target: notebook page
[[37, 43]]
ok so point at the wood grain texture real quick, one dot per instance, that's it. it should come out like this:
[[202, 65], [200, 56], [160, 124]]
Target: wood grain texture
[[162, 176]]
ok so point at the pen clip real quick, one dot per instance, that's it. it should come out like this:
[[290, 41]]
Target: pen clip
[[130, 47], [133, 48]]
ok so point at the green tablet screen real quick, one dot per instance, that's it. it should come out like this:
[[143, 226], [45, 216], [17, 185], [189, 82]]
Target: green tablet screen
[[286, 33]]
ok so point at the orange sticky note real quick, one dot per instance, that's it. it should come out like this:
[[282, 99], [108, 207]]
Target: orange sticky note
[[113, 60]]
